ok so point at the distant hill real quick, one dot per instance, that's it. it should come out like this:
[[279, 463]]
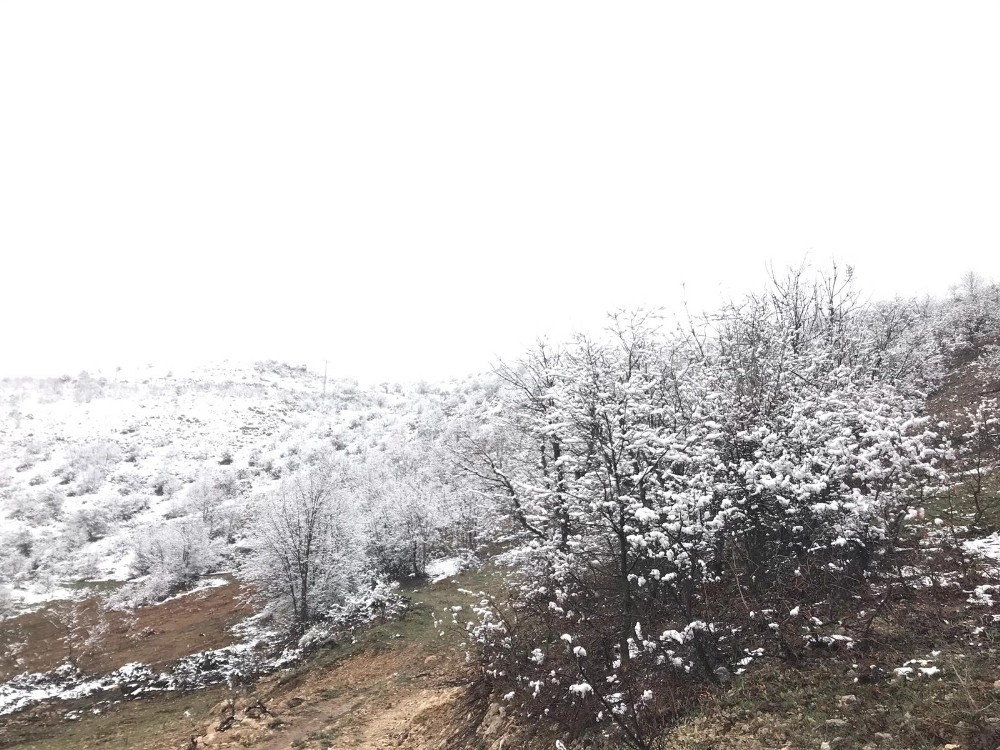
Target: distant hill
[[88, 462]]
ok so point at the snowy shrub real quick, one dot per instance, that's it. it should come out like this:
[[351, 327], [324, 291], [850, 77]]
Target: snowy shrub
[[208, 496], [87, 388], [181, 549], [16, 548], [89, 465], [412, 506], [978, 452], [168, 556], [306, 551], [672, 491], [129, 482], [37, 507], [379, 603], [166, 484], [89, 524], [972, 314], [132, 505], [87, 481]]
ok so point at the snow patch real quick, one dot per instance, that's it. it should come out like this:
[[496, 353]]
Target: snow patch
[[446, 567], [202, 585], [987, 546]]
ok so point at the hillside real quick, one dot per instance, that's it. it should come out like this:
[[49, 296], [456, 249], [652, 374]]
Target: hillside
[[86, 464], [777, 530]]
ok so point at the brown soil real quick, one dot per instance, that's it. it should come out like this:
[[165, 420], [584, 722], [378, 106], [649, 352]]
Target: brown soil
[[403, 696], [154, 635], [403, 684]]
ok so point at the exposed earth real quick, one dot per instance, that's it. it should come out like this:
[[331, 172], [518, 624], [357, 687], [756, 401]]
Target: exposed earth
[[399, 685]]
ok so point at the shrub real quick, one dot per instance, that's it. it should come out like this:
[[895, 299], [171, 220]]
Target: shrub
[[39, 507], [380, 603], [171, 556], [678, 497], [166, 484], [90, 524]]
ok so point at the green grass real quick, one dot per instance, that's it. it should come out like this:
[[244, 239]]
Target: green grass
[[427, 602]]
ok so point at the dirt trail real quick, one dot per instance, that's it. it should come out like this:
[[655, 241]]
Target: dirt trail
[[403, 688], [390, 700], [402, 684]]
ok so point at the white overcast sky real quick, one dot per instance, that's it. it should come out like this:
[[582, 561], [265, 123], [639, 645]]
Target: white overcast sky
[[410, 189]]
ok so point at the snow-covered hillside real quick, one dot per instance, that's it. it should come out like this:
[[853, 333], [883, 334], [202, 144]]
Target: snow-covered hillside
[[94, 468]]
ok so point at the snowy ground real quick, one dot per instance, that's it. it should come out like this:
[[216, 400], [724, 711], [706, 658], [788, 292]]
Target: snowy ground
[[988, 546], [447, 567]]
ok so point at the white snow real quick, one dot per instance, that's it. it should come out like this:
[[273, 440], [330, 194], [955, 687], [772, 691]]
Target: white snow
[[987, 546], [32, 596], [202, 585], [446, 567]]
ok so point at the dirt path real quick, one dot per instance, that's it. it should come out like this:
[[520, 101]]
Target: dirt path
[[402, 684], [401, 687]]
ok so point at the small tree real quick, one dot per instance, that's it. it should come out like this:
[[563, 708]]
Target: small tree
[[82, 636], [307, 552], [979, 452]]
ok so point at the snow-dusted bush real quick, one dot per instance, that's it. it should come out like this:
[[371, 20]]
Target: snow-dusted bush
[[972, 313], [88, 480], [168, 556], [132, 505], [87, 388], [89, 524], [306, 550], [129, 481], [378, 603], [675, 491], [209, 495], [37, 507], [181, 549], [401, 522], [16, 550], [89, 465]]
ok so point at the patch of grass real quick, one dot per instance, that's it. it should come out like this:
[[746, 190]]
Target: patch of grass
[[151, 722], [325, 739], [856, 699], [416, 628], [776, 707]]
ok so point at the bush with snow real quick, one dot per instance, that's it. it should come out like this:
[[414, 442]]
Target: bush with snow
[[671, 490], [379, 603], [167, 557], [37, 507]]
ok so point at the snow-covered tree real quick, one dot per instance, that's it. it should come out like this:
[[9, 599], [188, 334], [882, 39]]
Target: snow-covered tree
[[306, 549]]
